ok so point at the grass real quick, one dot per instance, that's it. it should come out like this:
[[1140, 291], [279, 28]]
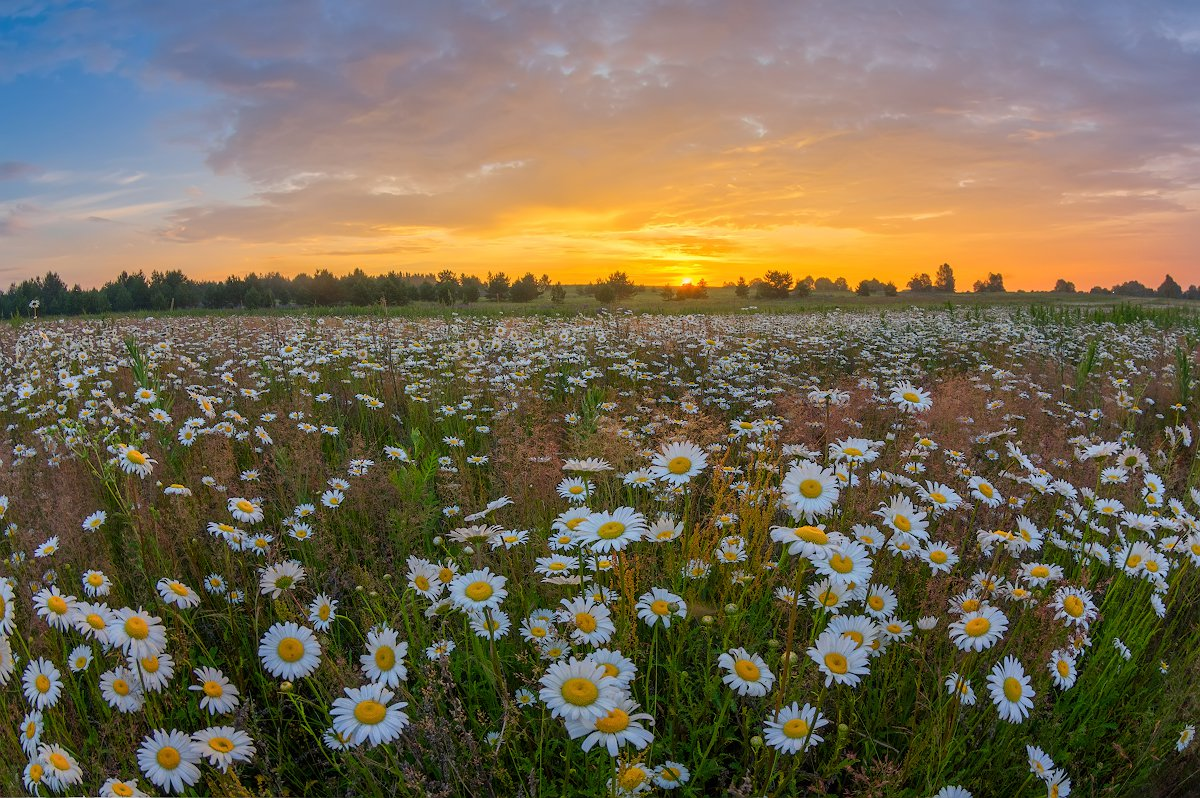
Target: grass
[[542, 390]]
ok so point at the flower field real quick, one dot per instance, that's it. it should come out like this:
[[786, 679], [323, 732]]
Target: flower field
[[911, 553]]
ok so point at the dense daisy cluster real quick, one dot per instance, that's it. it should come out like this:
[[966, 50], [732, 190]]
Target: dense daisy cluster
[[611, 555]]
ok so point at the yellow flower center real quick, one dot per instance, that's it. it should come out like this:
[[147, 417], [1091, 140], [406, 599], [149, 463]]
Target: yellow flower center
[[875, 603], [421, 582], [35, 773], [970, 605], [901, 522], [616, 721], [221, 744], [1133, 561], [479, 591], [137, 628], [610, 670], [1039, 571], [445, 575], [167, 757], [95, 580], [120, 687], [836, 662], [679, 465], [632, 778], [135, 457], [841, 563], [829, 598], [369, 712], [1074, 606], [747, 670], [385, 658], [42, 683], [579, 692], [939, 498], [323, 612], [1013, 689], [290, 649], [856, 636], [586, 622], [977, 627], [853, 451], [986, 490], [811, 534], [1063, 668], [660, 607], [610, 529], [938, 556], [795, 728], [574, 523], [178, 588], [811, 488], [30, 730], [213, 689], [59, 761], [1152, 566], [57, 604], [121, 788], [245, 506], [95, 621], [150, 664], [575, 489], [909, 396]]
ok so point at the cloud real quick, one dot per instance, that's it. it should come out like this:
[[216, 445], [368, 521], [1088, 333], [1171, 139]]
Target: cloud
[[620, 122], [17, 170]]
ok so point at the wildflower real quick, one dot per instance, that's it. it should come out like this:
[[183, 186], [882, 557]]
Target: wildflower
[[579, 690], [622, 725], [979, 630], [911, 399], [809, 490], [793, 729], [677, 463], [478, 590], [746, 673], [168, 759], [658, 605], [219, 696], [276, 579], [42, 683], [1011, 690], [223, 745], [839, 658], [605, 532], [289, 651]]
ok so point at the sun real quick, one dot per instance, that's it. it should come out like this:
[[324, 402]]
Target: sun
[[686, 281]]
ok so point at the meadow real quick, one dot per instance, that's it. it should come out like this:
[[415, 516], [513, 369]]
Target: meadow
[[883, 549]]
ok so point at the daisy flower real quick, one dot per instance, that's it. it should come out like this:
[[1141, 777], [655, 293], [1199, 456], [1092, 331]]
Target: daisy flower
[[274, 580], [121, 788], [911, 399], [621, 726], [219, 696], [289, 651], [321, 612], [94, 521], [579, 690], [177, 593], [840, 658], [961, 689], [658, 605], [244, 510], [133, 461], [671, 775], [1011, 690], [384, 660], [168, 759], [223, 745], [61, 767], [478, 590], [605, 531], [677, 463], [592, 622], [809, 490], [979, 630], [95, 583], [746, 673], [792, 729], [42, 683], [121, 690]]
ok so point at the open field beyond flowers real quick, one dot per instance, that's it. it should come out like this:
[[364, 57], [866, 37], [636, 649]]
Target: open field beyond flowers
[[906, 553]]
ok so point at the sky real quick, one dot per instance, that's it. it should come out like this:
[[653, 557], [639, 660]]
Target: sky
[[668, 139]]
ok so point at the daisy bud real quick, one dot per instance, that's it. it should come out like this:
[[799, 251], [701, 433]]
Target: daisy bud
[[285, 687], [730, 609], [773, 643], [359, 588], [756, 742], [793, 657], [387, 577], [437, 540], [707, 620], [373, 593]]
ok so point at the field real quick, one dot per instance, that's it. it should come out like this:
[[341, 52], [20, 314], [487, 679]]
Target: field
[[892, 548]]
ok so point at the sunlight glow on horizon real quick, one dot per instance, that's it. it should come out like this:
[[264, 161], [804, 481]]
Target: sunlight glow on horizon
[[671, 141]]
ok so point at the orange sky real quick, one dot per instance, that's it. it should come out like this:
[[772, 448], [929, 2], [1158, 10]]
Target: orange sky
[[668, 140]]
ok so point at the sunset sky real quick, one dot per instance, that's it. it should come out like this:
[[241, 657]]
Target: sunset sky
[[669, 139]]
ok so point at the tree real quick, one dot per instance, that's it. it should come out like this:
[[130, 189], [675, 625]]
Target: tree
[[558, 294], [863, 289], [993, 284], [920, 282], [524, 289], [621, 285], [775, 284], [1064, 286], [667, 293], [1169, 288], [840, 284], [805, 287], [742, 289], [496, 286], [889, 289], [944, 281], [605, 293]]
